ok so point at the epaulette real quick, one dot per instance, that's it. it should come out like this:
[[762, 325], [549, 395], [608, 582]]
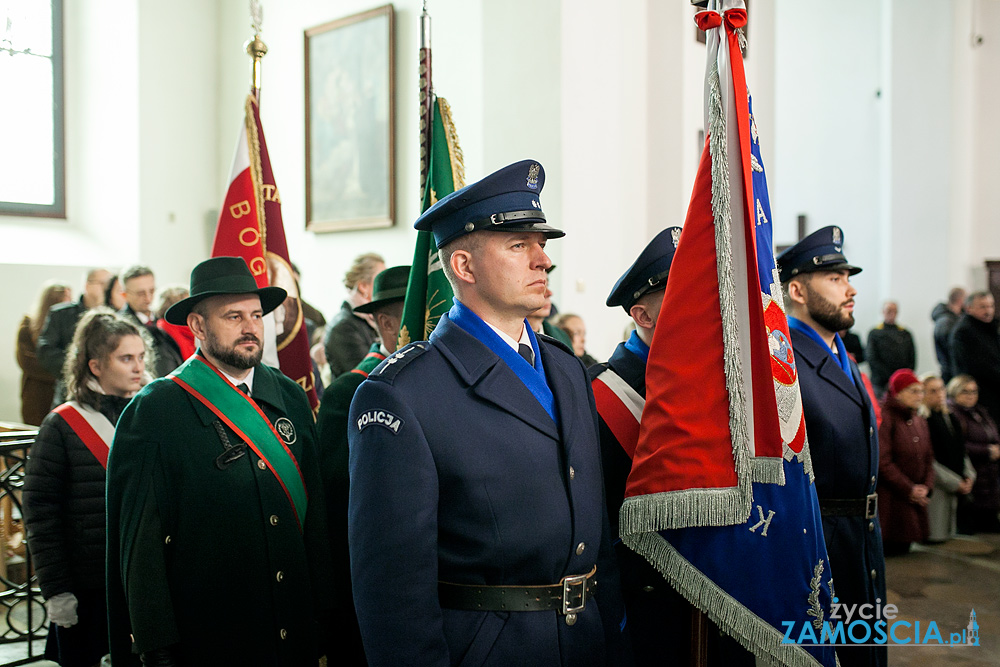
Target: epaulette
[[394, 363], [555, 341]]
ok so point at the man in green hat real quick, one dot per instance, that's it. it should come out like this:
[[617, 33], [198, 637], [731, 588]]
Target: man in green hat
[[386, 307], [218, 552]]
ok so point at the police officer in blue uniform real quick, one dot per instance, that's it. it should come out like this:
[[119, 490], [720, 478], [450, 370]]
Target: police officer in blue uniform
[[840, 422], [659, 619], [477, 525]]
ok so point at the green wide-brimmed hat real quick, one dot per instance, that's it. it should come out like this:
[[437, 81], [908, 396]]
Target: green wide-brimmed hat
[[389, 286], [223, 275]]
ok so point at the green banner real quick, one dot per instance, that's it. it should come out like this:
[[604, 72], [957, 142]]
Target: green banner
[[428, 294]]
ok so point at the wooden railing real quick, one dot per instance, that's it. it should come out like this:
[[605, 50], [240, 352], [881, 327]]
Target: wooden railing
[[22, 610]]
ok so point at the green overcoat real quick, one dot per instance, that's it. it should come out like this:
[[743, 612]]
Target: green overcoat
[[209, 555], [333, 451]]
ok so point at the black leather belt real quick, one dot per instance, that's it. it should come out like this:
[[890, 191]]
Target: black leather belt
[[567, 597], [866, 507]]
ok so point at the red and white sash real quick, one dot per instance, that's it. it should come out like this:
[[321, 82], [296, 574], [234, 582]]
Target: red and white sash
[[93, 428], [620, 406]]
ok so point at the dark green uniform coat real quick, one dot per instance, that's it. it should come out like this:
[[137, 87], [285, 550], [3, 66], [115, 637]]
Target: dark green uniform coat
[[333, 448], [211, 557]]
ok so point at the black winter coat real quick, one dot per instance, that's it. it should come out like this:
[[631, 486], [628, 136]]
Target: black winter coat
[[944, 321], [975, 350], [55, 338], [64, 506]]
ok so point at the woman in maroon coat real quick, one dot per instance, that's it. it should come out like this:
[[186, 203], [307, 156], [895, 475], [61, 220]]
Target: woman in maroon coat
[[982, 443], [905, 466]]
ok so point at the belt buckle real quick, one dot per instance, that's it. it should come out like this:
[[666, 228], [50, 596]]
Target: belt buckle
[[568, 583], [871, 505]]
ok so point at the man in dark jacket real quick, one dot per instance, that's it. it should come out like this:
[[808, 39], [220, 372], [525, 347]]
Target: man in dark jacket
[[945, 316], [218, 552], [890, 347], [349, 334], [975, 349], [386, 307], [477, 520], [57, 332], [139, 289], [840, 423]]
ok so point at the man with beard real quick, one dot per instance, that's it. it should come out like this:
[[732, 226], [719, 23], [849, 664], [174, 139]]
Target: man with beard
[[840, 423], [218, 551]]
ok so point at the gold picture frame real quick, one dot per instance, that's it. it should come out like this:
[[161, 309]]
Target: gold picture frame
[[350, 122]]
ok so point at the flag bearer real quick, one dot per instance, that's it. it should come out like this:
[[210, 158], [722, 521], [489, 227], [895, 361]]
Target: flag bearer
[[840, 424]]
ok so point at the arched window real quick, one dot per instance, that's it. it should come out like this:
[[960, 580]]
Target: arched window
[[32, 146]]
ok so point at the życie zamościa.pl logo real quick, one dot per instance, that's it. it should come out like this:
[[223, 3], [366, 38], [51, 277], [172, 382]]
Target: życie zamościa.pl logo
[[859, 624]]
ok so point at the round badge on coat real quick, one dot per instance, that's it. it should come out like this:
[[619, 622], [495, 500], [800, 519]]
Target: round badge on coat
[[285, 429]]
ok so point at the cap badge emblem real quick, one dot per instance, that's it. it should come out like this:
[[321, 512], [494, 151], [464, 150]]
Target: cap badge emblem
[[675, 236], [836, 235], [533, 176]]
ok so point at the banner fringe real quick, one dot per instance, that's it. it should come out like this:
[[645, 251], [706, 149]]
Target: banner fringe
[[256, 170], [722, 213], [454, 150], [687, 508], [733, 618]]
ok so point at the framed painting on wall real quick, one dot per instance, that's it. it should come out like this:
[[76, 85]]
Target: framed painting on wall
[[349, 105]]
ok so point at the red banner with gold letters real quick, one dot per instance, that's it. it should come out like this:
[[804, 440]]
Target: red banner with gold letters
[[250, 227]]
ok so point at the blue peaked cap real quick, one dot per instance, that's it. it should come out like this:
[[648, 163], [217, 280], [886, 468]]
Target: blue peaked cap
[[648, 272], [506, 200], [823, 250]]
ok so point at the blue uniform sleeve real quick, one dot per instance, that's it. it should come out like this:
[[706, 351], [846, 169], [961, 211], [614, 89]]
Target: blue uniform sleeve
[[393, 528]]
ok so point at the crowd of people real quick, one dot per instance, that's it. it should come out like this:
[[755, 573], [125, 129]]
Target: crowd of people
[[939, 443], [180, 491]]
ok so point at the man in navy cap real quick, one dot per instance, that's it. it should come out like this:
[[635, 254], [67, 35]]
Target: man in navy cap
[[659, 619], [840, 422], [477, 526]]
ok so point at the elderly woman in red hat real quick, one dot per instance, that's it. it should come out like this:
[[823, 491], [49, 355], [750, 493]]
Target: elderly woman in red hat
[[906, 465]]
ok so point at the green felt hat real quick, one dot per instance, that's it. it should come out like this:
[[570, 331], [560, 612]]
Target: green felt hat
[[223, 275], [389, 286]]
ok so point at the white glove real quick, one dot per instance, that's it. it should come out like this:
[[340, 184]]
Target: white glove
[[62, 609]]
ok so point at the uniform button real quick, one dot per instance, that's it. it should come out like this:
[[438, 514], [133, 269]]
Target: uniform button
[[916, 439], [570, 619], [873, 573], [648, 589], [167, 540], [873, 479], [909, 422], [572, 473], [262, 466], [283, 634], [280, 576], [274, 519], [871, 431], [871, 526], [579, 548]]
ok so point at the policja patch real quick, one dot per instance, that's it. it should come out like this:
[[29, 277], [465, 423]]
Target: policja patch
[[380, 418], [286, 430]]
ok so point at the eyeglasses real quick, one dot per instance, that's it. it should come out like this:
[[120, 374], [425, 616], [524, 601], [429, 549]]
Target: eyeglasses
[[970, 391]]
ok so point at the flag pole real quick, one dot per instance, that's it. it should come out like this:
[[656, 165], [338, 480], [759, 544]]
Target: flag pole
[[256, 48], [426, 98]]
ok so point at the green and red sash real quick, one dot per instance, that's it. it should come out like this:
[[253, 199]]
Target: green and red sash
[[240, 413]]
